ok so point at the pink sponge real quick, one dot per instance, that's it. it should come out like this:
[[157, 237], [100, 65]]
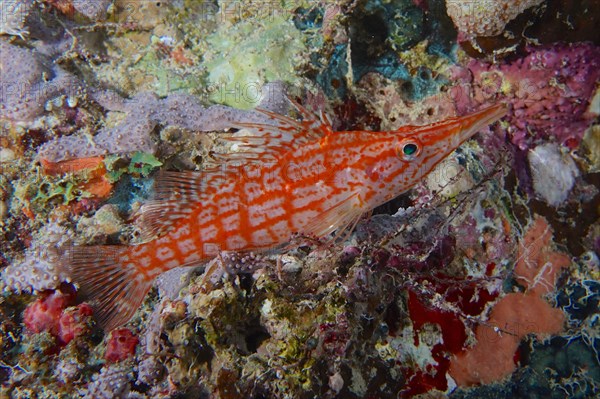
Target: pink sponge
[[121, 345], [50, 314], [516, 315], [44, 314], [549, 90], [73, 322]]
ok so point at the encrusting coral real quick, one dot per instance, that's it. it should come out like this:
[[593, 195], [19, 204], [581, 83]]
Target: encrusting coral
[[144, 112], [29, 80], [40, 269], [486, 18], [549, 89], [516, 314]]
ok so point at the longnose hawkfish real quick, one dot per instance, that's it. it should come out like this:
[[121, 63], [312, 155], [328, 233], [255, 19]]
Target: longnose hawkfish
[[309, 179]]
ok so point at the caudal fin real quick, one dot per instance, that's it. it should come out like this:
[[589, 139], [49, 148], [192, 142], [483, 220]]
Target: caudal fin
[[109, 281]]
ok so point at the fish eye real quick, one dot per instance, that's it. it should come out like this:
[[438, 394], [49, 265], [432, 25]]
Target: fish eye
[[409, 150]]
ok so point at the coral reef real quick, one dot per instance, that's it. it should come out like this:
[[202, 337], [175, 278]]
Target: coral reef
[[40, 269], [548, 22], [381, 38], [482, 281], [111, 382], [238, 67], [487, 18], [96, 11]]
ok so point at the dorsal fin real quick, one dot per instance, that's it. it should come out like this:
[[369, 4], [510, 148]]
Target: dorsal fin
[[276, 136], [155, 218], [175, 192], [188, 185], [175, 197], [317, 126]]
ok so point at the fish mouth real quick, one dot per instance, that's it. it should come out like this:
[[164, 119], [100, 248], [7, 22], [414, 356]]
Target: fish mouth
[[472, 123], [451, 133], [446, 136]]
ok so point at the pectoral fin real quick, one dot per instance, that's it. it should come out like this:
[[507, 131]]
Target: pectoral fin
[[341, 217]]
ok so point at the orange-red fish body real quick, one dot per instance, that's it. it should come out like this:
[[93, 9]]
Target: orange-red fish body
[[286, 177]]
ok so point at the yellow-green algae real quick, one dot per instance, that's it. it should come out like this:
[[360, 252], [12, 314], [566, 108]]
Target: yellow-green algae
[[230, 52], [40, 193], [141, 164], [243, 57]]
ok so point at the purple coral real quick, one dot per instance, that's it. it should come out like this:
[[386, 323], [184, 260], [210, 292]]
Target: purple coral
[[28, 80], [40, 269], [144, 112], [113, 381], [549, 90], [13, 17]]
